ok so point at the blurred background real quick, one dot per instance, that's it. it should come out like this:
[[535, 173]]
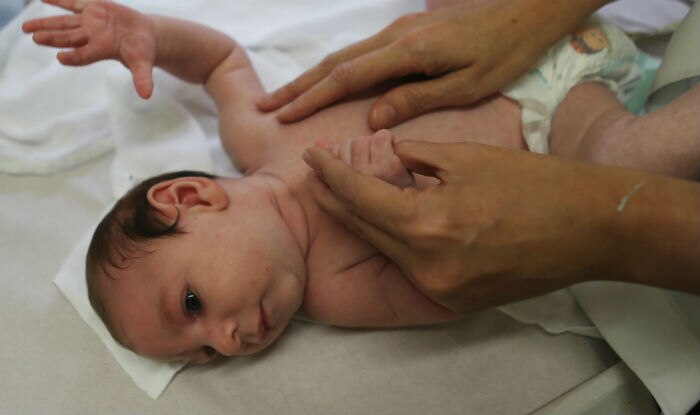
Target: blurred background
[[8, 10]]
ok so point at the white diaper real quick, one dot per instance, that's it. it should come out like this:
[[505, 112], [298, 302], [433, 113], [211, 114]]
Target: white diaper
[[598, 51]]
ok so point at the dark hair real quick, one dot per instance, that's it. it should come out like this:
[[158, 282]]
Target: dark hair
[[122, 233]]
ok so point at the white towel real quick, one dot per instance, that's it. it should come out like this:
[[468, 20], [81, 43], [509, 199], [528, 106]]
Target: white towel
[[648, 17], [50, 119]]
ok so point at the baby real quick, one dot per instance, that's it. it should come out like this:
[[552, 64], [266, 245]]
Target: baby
[[188, 266]]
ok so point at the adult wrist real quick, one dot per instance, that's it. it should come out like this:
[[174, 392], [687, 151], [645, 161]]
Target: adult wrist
[[656, 228]]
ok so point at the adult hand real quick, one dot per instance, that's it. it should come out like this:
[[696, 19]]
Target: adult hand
[[469, 51], [505, 225], [99, 30]]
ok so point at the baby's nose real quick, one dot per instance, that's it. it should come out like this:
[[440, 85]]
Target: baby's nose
[[226, 339]]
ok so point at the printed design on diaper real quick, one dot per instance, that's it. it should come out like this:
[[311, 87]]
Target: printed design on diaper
[[588, 40]]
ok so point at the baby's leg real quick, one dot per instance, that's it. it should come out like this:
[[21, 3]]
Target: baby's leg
[[373, 155], [592, 125], [583, 120]]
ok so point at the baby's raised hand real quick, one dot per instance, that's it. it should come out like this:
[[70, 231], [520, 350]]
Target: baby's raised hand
[[99, 30], [373, 155]]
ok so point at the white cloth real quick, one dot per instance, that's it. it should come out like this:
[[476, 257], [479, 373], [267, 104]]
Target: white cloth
[[648, 17], [40, 135], [557, 312], [650, 330]]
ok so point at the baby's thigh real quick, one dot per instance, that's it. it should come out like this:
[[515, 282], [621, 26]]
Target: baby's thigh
[[588, 110]]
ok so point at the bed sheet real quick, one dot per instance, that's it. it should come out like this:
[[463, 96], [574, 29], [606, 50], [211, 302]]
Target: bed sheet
[[50, 359]]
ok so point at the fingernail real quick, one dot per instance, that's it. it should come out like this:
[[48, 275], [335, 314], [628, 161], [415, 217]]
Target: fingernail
[[306, 157], [386, 114], [283, 113], [263, 99], [312, 178]]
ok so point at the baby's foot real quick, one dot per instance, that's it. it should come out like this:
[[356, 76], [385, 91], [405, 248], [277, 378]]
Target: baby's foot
[[374, 155]]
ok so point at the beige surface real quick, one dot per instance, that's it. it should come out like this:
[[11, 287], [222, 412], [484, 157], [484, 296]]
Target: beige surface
[[50, 359]]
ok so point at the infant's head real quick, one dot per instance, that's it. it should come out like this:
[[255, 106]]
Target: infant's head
[[187, 266]]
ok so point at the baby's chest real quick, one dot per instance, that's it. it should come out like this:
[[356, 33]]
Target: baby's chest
[[344, 275], [337, 249]]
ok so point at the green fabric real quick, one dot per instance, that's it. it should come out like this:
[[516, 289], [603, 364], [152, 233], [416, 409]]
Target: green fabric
[[680, 68], [648, 65]]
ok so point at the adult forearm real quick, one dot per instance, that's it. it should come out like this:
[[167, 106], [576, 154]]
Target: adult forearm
[[657, 223], [667, 141], [547, 20], [188, 50]]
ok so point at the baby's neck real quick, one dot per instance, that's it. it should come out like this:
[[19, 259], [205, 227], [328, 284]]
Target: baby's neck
[[290, 208]]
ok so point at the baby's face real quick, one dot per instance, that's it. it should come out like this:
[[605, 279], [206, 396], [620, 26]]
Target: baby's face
[[226, 287]]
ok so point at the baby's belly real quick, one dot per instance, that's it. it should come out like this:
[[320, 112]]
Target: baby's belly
[[495, 121]]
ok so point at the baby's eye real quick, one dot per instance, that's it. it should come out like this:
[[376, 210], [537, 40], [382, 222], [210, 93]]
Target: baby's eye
[[209, 351], [192, 303]]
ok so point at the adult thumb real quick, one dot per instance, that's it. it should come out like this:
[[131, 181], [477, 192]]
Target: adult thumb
[[410, 100], [427, 159]]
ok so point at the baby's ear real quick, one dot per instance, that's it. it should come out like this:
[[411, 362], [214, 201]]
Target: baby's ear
[[196, 194]]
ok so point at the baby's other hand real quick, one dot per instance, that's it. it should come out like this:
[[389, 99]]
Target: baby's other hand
[[373, 155], [99, 30]]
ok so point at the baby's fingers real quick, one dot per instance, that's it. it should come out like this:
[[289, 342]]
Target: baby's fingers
[[78, 57], [70, 21], [72, 5], [61, 38]]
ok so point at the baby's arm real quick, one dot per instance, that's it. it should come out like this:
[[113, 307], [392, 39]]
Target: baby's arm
[[100, 30]]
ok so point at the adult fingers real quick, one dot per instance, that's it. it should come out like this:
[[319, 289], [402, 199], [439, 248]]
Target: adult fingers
[[428, 159], [347, 78], [72, 5], [302, 83], [409, 100], [69, 21], [381, 204], [375, 235]]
